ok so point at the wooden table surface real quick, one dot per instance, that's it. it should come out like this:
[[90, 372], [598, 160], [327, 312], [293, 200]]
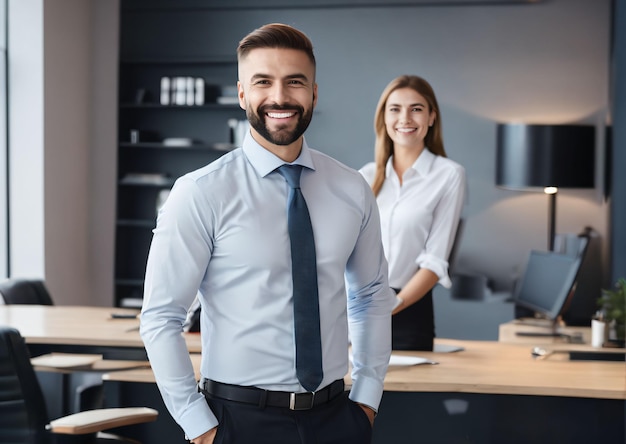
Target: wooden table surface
[[77, 325], [497, 367], [485, 367]]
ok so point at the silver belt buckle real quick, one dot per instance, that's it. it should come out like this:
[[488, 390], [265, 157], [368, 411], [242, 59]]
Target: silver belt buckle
[[301, 401]]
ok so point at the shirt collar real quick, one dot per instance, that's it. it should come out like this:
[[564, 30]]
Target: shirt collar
[[424, 162], [264, 162], [421, 166]]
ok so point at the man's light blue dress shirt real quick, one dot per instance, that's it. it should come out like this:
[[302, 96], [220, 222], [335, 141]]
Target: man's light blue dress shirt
[[222, 235]]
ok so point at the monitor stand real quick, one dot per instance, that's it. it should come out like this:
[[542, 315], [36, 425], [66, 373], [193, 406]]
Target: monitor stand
[[552, 324]]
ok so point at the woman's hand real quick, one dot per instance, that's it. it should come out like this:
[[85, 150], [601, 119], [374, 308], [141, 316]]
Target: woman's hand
[[400, 305], [421, 283]]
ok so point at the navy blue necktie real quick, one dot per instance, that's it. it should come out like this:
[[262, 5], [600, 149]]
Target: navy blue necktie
[[304, 274]]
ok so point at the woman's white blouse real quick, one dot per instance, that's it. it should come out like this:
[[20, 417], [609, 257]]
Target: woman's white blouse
[[419, 218]]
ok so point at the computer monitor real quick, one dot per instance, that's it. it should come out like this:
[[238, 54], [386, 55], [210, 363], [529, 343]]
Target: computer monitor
[[548, 282]]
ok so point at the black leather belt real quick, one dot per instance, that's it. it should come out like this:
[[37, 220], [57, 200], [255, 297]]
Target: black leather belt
[[262, 398]]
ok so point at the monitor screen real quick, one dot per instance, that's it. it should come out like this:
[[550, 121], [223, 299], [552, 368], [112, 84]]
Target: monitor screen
[[548, 280]]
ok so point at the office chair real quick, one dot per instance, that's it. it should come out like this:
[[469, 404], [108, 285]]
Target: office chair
[[16, 291], [465, 286], [454, 249], [23, 415], [25, 291]]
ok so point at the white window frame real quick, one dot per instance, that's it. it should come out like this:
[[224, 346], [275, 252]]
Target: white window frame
[[4, 191]]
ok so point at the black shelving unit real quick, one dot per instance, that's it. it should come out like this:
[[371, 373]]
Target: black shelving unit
[[148, 166]]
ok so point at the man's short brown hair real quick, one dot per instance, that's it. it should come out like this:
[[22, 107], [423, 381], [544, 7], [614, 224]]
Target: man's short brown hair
[[276, 35]]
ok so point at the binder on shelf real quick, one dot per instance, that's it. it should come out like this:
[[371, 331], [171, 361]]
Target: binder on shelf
[[199, 91], [180, 91], [173, 90], [165, 91], [189, 91]]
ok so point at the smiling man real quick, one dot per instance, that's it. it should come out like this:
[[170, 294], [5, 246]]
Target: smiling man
[[283, 271]]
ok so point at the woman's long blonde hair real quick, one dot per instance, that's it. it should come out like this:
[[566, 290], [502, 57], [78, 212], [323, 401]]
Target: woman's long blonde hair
[[383, 149]]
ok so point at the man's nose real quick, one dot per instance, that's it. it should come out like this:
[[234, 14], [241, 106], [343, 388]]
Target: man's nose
[[279, 93]]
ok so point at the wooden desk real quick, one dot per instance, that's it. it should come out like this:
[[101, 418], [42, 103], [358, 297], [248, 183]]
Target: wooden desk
[[501, 368], [59, 328], [570, 402], [508, 397], [483, 367]]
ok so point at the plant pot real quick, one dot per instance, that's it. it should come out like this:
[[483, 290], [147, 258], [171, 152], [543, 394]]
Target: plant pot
[[616, 335], [614, 343]]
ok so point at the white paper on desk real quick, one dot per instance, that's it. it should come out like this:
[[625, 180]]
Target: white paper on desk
[[405, 361], [408, 360], [447, 348]]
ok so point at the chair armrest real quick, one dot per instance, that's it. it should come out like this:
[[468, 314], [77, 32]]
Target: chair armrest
[[64, 362], [92, 421]]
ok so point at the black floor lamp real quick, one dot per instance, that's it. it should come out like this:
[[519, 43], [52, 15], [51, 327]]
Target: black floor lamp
[[546, 157]]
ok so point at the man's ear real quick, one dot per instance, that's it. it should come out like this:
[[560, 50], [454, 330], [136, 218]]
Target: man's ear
[[241, 95]]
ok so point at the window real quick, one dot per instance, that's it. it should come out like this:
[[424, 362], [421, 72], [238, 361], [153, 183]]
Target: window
[[4, 214]]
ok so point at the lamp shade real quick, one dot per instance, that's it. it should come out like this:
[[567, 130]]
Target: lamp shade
[[538, 156]]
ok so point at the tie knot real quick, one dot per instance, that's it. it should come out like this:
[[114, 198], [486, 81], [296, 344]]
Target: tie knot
[[291, 173]]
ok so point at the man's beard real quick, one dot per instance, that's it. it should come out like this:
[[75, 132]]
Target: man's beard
[[282, 136]]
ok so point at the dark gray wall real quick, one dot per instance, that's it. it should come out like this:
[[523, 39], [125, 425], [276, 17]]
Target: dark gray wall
[[534, 63]]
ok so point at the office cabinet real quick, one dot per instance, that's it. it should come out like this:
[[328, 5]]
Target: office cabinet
[[160, 142]]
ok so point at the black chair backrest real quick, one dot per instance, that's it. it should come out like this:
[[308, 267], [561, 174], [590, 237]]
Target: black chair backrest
[[455, 247], [25, 291], [23, 415]]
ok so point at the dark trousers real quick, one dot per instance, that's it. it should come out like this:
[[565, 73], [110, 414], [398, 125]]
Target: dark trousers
[[414, 327], [339, 421]]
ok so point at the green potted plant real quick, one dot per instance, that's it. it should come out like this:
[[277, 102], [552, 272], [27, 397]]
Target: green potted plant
[[613, 304]]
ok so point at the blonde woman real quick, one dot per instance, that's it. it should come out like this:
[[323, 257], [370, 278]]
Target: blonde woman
[[420, 193]]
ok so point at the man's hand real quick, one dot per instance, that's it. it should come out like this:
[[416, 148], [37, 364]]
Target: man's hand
[[205, 438], [369, 412]]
